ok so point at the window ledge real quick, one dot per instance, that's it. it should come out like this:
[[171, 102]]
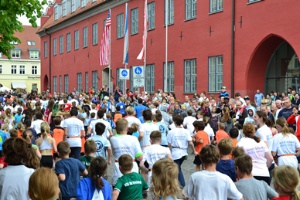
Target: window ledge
[[186, 20], [132, 34], [249, 3], [215, 12], [169, 25]]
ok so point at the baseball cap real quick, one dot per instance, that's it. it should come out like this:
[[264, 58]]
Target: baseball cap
[[223, 87], [246, 98]]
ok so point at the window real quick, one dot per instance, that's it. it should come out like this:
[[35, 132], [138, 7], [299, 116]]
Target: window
[[14, 42], [34, 54], [14, 69], [86, 82], [73, 5], [60, 83], [83, 3], [0, 69], [61, 44], [68, 42], [215, 6], [120, 25], [95, 33], [57, 11], [15, 53], [132, 88], [169, 77], [170, 12], [31, 43], [190, 77], [54, 46], [120, 82], [85, 37], [150, 78], [45, 49], [253, 1], [190, 9], [79, 82], [134, 21], [95, 80], [66, 83], [54, 84], [64, 8], [151, 16], [22, 69], [215, 73], [76, 39], [34, 69]]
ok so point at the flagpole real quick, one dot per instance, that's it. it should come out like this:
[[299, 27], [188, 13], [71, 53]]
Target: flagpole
[[109, 68], [126, 45], [167, 23]]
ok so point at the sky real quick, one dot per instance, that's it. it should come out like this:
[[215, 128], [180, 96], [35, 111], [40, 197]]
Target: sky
[[25, 21]]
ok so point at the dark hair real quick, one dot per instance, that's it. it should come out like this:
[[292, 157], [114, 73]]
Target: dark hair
[[63, 148], [126, 162], [209, 154], [237, 151], [97, 169], [73, 112], [38, 115], [189, 112], [140, 100], [249, 130], [244, 163], [27, 122], [57, 121], [100, 113], [262, 114], [158, 116], [93, 115], [178, 119], [100, 128], [200, 125], [147, 115], [16, 151], [234, 133], [155, 136]]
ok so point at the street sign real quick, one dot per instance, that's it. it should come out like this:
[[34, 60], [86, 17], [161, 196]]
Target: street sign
[[138, 72], [139, 82], [124, 74]]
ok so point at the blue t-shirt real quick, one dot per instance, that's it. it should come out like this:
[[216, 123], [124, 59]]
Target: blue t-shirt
[[18, 118], [258, 97], [86, 189], [102, 144], [71, 168], [163, 128], [227, 167], [3, 137], [138, 110], [122, 107]]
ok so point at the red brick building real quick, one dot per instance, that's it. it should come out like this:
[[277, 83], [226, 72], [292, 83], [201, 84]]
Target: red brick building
[[243, 44]]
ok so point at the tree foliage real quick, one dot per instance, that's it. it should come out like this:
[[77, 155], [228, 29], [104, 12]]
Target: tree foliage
[[10, 10]]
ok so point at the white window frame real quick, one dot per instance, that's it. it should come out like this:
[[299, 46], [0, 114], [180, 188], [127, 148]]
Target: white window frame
[[134, 21], [169, 77], [34, 54], [120, 82], [95, 80], [253, 1], [22, 69], [120, 25], [66, 83], [61, 44], [190, 76], [150, 78], [86, 81], [215, 6], [57, 11], [85, 37], [190, 9], [34, 70], [54, 84], [79, 82], [95, 33], [64, 8], [151, 16], [215, 73], [73, 5], [60, 83], [15, 53], [13, 69], [68, 42], [76, 40], [170, 12], [54, 46]]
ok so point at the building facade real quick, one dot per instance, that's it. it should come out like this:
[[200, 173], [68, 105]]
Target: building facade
[[22, 71], [241, 44]]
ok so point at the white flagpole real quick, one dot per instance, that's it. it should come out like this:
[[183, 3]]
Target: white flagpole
[[109, 68], [167, 24]]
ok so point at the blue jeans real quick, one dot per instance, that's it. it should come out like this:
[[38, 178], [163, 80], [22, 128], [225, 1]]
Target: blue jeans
[[75, 152], [180, 174]]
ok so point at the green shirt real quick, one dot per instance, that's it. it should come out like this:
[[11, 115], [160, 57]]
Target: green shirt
[[86, 160], [131, 186]]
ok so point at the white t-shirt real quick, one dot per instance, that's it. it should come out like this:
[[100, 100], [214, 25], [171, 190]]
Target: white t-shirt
[[14, 182], [209, 130], [133, 120], [75, 126], [102, 143], [179, 139], [36, 124], [205, 185], [257, 152], [154, 153], [94, 111], [188, 122], [147, 129], [107, 127], [285, 144], [265, 134]]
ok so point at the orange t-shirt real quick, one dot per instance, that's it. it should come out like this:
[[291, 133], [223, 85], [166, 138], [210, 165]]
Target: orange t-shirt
[[234, 142], [20, 132], [117, 116], [201, 135], [58, 134], [220, 134]]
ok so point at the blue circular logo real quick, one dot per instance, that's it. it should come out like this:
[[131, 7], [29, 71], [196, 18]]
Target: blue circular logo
[[138, 70], [124, 73]]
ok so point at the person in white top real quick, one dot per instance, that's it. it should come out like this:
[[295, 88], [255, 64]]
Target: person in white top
[[152, 154], [147, 128], [36, 124], [258, 151], [178, 140], [263, 131], [188, 122], [285, 145], [74, 131], [131, 118], [108, 130], [124, 144], [209, 183]]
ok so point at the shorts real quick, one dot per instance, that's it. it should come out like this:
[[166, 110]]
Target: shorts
[[197, 160], [298, 158], [46, 161]]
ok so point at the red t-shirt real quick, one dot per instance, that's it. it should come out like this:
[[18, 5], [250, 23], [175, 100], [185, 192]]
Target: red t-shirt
[[204, 136], [282, 198]]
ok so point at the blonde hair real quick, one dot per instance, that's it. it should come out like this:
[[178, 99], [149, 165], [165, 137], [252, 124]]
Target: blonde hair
[[45, 129], [39, 189], [282, 122], [165, 179], [286, 180], [121, 125]]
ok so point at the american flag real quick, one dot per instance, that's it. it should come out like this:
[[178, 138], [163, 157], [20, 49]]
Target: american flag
[[105, 43], [142, 54]]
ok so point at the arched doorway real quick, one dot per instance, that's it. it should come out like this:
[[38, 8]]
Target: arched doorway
[[272, 66], [45, 83]]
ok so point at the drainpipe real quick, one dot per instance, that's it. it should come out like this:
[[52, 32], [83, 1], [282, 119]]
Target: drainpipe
[[232, 47], [49, 54]]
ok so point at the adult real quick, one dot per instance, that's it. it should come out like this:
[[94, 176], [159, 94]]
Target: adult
[[108, 130], [74, 131], [287, 110], [238, 97], [146, 129], [268, 113], [226, 119], [263, 131], [258, 97], [293, 120], [139, 108], [117, 94], [240, 112], [248, 104], [188, 122], [278, 105], [258, 151]]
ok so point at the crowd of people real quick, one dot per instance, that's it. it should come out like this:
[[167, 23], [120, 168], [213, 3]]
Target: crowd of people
[[58, 146]]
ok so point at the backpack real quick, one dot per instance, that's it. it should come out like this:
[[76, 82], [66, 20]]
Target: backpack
[[213, 122]]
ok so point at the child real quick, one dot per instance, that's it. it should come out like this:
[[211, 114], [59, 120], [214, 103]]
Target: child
[[118, 114], [236, 152], [58, 132], [164, 175], [250, 118], [234, 133], [225, 164], [133, 130], [209, 183], [13, 133], [20, 128], [68, 171], [152, 154], [90, 148], [200, 139], [110, 121], [163, 128], [286, 180], [18, 117], [249, 186], [131, 185], [220, 134], [101, 142]]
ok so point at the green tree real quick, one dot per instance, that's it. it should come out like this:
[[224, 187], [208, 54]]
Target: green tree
[[9, 24]]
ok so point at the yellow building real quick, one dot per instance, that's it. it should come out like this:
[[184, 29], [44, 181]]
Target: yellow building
[[23, 70]]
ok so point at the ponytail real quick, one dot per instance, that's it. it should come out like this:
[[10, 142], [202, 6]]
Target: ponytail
[[296, 195], [97, 180], [257, 139]]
